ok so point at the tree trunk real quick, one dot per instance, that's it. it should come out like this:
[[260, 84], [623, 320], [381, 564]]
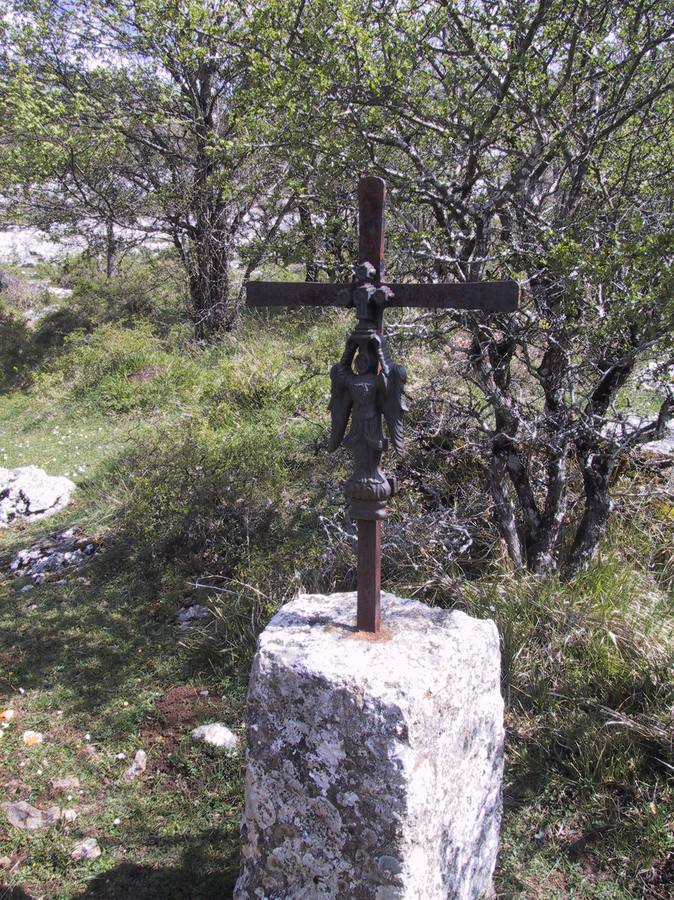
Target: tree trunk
[[308, 243], [597, 468], [542, 551], [110, 249], [504, 512], [208, 260]]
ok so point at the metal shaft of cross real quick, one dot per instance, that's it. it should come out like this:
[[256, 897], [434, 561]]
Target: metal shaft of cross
[[371, 199]]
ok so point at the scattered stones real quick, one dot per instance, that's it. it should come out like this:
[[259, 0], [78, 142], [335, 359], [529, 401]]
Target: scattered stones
[[191, 614], [30, 493], [137, 767], [21, 814], [64, 785], [31, 738], [86, 849], [216, 735], [64, 549]]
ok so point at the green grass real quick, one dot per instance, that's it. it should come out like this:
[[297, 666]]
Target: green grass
[[85, 665], [208, 467]]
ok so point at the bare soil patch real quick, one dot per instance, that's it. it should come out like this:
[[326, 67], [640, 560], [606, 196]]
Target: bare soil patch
[[176, 711]]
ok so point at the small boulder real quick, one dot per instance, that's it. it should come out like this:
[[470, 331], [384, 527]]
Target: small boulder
[[137, 767], [665, 445], [86, 849], [191, 614], [216, 735], [21, 814], [30, 493]]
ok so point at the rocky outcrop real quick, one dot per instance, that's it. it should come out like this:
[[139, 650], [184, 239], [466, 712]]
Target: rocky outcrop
[[29, 493]]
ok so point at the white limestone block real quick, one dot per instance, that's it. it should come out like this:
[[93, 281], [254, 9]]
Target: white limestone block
[[374, 764], [29, 493]]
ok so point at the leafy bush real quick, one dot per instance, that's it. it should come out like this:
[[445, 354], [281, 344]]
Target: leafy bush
[[145, 285]]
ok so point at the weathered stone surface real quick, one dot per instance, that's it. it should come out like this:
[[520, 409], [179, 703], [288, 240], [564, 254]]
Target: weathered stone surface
[[21, 814], [86, 849], [664, 446], [29, 493], [374, 765], [189, 614], [624, 428]]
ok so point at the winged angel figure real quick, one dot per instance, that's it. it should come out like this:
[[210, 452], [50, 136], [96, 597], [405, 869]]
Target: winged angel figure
[[365, 396]]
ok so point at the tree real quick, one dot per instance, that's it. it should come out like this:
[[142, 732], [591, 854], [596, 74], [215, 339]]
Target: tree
[[531, 141], [57, 174], [164, 85]]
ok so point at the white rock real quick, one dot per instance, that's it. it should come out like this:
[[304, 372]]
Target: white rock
[[31, 738], [137, 767], [374, 766], [192, 613], [621, 430], [217, 735], [22, 815], [663, 447], [86, 849], [29, 493]]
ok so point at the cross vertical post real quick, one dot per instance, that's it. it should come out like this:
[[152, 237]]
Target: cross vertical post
[[371, 199]]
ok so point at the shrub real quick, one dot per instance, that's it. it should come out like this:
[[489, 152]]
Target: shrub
[[17, 353], [145, 285], [118, 369]]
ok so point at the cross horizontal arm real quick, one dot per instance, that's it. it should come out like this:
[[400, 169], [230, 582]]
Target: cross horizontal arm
[[294, 293], [491, 296], [494, 296]]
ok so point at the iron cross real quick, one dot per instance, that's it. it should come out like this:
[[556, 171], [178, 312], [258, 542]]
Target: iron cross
[[375, 391]]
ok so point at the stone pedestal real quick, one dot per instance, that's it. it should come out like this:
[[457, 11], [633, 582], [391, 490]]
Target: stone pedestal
[[374, 762]]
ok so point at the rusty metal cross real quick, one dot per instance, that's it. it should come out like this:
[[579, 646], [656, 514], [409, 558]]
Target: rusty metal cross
[[376, 376]]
